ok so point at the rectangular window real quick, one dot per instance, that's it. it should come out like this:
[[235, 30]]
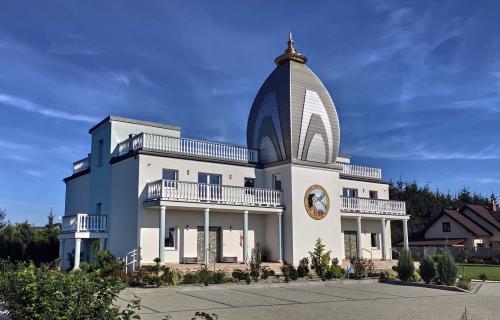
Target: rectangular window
[[349, 192], [170, 238], [100, 152], [374, 240], [277, 182], [209, 178], [98, 208], [446, 227], [169, 174], [249, 183], [373, 194]]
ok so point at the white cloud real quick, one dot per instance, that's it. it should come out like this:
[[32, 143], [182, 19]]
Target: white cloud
[[32, 107], [33, 173]]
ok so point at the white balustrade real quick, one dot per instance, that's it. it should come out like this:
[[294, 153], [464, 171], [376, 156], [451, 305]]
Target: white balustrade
[[360, 171], [187, 146], [191, 191], [83, 222], [376, 206], [81, 165]]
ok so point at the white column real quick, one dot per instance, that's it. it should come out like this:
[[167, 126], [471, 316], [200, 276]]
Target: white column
[[383, 245], [280, 235], [78, 243], [358, 240], [161, 240], [61, 253], [245, 236], [405, 234], [206, 234]]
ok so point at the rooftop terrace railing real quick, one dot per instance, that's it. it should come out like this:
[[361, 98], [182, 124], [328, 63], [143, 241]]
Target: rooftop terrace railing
[[375, 206], [81, 165], [83, 222], [360, 171], [188, 147]]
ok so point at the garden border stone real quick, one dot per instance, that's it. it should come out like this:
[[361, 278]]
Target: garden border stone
[[430, 286]]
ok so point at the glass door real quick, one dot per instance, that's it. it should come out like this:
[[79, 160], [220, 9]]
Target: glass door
[[209, 188]]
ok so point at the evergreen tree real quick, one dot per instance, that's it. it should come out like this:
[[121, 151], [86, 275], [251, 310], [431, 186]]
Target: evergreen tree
[[3, 218]]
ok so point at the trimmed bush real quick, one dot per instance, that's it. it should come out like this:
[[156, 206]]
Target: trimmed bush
[[303, 268], [427, 269], [320, 258], [387, 275], [405, 267], [482, 276], [266, 272], [447, 269], [334, 272], [464, 282], [289, 272], [415, 277], [255, 264]]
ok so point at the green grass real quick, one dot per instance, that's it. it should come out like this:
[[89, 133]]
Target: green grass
[[473, 270]]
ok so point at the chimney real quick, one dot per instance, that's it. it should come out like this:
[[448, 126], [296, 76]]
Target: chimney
[[493, 206]]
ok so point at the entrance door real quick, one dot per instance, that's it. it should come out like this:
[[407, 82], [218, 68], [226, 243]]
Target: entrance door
[[350, 244], [214, 244]]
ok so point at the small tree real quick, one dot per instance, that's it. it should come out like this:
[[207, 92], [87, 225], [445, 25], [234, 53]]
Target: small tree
[[427, 269], [405, 266], [447, 269], [3, 218], [320, 258], [255, 264]]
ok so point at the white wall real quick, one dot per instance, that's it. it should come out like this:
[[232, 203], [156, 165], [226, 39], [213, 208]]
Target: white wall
[[365, 187], [368, 226], [77, 195]]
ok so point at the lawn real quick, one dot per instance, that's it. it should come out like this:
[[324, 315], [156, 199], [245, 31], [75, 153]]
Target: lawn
[[474, 270]]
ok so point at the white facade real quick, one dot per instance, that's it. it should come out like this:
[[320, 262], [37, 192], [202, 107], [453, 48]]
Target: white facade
[[144, 187]]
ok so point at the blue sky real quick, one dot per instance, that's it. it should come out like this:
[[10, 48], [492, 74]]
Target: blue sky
[[416, 84]]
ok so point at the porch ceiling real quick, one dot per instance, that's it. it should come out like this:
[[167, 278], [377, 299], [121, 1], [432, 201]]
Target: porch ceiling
[[219, 207]]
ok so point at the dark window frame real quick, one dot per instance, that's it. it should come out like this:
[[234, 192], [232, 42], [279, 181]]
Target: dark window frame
[[446, 226], [170, 238]]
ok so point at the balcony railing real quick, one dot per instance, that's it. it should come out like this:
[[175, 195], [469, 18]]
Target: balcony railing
[[81, 165], [83, 222], [376, 206], [360, 171], [201, 192], [187, 146]]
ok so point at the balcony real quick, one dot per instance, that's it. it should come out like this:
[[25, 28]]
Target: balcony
[[373, 206], [83, 222], [81, 165], [212, 193], [360, 171], [187, 146]]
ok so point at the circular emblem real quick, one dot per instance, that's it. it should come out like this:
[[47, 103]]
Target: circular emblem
[[317, 202]]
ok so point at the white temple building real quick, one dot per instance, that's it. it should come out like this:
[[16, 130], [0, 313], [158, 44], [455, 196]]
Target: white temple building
[[143, 186]]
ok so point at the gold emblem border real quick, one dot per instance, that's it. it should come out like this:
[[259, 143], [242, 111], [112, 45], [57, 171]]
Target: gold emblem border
[[311, 211]]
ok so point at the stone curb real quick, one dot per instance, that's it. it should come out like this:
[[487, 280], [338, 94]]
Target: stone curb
[[424, 285]]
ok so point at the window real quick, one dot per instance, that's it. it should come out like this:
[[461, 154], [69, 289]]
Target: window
[[98, 208], [348, 192], [169, 174], [249, 183], [170, 238], [277, 182], [209, 178], [446, 227], [373, 194], [100, 151], [374, 240]]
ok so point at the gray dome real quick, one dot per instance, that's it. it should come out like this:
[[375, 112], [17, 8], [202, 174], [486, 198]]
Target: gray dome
[[293, 117]]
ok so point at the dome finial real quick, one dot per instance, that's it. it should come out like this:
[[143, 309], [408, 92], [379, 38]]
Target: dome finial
[[290, 53]]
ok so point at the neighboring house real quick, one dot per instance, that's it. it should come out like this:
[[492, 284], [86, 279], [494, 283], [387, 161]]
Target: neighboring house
[[188, 201], [470, 227]]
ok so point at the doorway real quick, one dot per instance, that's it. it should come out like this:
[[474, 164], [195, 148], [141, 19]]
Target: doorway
[[350, 244], [209, 186], [214, 244]]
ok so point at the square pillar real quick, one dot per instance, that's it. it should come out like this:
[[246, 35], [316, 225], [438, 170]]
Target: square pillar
[[245, 236], [61, 253], [359, 247], [78, 244], [206, 234], [161, 240], [383, 245], [280, 236]]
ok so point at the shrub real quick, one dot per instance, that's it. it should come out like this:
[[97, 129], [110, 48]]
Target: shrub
[[463, 282], [427, 269], [106, 263], [42, 293], [303, 268], [255, 264], [447, 269], [320, 258], [405, 267], [267, 272], [482, 276], [218, 277], [415, 277], [238, 274], [289, 272], [190, 278], [334, 272], [175, 277], [362, 267], [205, 276], [387, 275]]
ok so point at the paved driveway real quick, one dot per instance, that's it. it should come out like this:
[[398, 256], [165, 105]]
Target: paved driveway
[[318, 300]]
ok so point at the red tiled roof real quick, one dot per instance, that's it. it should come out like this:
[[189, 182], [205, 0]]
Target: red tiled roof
[[485, 214], [436, 242], [468, 224]]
